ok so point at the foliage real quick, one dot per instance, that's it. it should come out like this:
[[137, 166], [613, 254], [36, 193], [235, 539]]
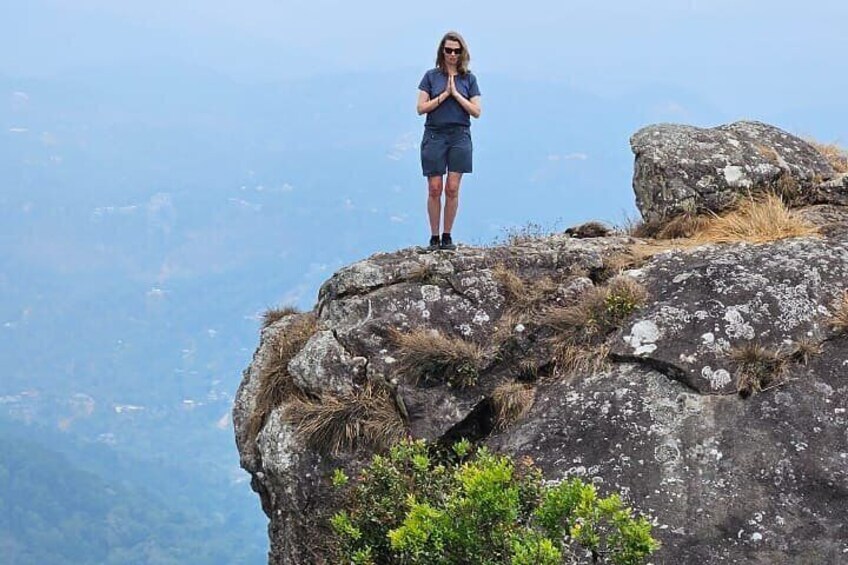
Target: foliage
[[419, 505]]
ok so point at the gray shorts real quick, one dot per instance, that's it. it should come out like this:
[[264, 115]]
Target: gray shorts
[[446, 149]]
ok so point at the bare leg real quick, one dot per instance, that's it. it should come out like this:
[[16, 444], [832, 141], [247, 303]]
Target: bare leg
[[434, 203], [451, 199]]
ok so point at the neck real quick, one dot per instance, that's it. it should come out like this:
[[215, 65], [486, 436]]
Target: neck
[[451, 68]]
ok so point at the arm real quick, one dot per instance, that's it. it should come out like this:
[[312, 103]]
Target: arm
[[426, 104], [472, 106]]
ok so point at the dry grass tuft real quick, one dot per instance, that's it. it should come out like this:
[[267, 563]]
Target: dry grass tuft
[[333, 424], [276, 314], [522, 298], [757, 368], [275, 382], [599, 310], [768, 152], [505, 327], [683, 226], [424, 274], [430, 355], [573, 358], [787, 188], [756, 220], [839, 318], [511, 402], [835, 155], [581, 328], [804, 349]]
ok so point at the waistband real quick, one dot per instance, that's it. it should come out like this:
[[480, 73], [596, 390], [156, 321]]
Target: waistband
[[446, 128]]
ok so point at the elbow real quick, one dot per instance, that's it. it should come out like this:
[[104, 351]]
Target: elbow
[[419, 109], [477, 114]]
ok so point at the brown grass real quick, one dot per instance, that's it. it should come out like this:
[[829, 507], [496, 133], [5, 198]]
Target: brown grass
[[424, 274], [573, 358], [511, 402], [839, 318], [757, 368], [333, 424], [276, 314], [755, 220], [430, 355], [804, 349], [581, 328], [275, 382], [505, 327], [835, 155], [683, 226], [787, 188], [599, 309], [768, 152], [522, 298]]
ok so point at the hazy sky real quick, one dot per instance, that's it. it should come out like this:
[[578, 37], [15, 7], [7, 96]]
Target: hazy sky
[[783, 49]]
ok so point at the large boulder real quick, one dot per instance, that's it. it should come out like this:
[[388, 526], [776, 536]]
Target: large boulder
[[681, 168], [758, 477]]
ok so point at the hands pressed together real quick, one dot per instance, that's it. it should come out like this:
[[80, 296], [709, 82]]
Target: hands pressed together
[[451, 89]]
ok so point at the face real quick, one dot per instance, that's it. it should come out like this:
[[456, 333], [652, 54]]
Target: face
[[452, 50]]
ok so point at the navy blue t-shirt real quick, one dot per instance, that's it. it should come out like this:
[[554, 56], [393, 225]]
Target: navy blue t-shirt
[[449, 112]]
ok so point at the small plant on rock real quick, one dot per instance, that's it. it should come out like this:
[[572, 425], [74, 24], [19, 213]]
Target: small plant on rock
[[419, 506], [804, 349], [275, 382], [757, 368], [523, 298], [335, 423], [430, 355], [272, 315], [580, 330], [511, 402]]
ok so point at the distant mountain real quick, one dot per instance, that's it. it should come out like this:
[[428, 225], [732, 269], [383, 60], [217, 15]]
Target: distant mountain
[[56, 512]]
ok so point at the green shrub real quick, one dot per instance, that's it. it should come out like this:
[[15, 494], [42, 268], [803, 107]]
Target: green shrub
[[417, 505]]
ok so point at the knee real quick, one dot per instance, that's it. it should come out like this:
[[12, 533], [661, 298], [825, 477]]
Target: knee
[[452, 190], [435, 190]]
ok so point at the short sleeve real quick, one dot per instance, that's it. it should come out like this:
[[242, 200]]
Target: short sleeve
[[473, 89], [425, 83]]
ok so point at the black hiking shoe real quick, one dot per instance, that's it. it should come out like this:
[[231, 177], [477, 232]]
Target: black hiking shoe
[[434, 243], [447, 242]]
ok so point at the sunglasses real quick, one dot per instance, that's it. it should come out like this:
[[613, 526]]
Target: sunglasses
[[449, 51]]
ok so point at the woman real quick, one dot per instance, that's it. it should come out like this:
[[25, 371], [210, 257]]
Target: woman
[[448, 94]]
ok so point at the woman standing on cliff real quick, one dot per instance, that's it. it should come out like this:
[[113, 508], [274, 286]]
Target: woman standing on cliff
[[449, 95]]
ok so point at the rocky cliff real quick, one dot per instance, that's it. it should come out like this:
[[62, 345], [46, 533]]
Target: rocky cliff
[[704, 377]]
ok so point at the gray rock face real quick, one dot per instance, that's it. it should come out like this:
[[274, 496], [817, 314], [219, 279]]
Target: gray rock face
[[715, 298], [682, 168], [762, 479], [755, 481]]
